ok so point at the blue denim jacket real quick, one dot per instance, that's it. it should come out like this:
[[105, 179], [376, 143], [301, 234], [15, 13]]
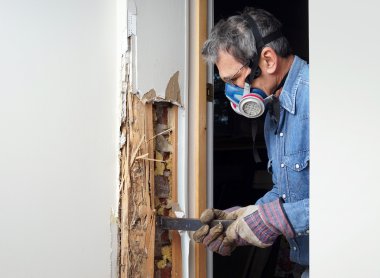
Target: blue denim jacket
[[288, 152]]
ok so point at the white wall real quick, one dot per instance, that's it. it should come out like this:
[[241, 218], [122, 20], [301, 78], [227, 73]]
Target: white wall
[[345, 136], [58, 142], [161, 44]]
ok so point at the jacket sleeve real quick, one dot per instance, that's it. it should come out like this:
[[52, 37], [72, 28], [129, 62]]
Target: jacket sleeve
[[297, 212], [269, 196], [298, 216]]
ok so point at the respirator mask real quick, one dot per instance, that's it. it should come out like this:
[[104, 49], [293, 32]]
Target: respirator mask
[[247, 101], [251, 104]]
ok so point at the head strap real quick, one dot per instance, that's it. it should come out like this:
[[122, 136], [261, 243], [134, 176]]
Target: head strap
[[260, 43]]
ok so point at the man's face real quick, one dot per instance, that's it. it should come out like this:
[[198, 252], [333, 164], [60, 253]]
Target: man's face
[[232, 71]]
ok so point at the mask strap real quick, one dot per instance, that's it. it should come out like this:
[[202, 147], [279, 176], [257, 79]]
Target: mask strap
[[260, 43], [254, 128], [281, 83], [274, 107]]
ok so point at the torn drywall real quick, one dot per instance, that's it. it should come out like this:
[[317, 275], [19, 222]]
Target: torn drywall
[[172, 92]]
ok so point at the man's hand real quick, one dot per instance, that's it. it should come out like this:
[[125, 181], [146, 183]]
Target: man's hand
[[213, 238], [254, 225]]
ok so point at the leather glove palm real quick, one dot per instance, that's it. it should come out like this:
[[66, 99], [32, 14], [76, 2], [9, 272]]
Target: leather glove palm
[[257, 225]]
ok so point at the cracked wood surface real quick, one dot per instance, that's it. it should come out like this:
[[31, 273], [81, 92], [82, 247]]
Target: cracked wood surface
[[137, 220]]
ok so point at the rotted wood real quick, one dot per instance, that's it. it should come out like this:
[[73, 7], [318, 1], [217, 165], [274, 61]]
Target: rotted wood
[[149, 156], [137, 219]]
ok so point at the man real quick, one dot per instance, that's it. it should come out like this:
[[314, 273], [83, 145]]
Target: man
[[255, 61]]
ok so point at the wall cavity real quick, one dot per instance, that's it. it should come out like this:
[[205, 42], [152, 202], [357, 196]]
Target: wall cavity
[[167, 244], [147, 180]]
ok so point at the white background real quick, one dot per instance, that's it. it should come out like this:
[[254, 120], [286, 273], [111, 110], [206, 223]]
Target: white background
[[345, 137], [58, 143]]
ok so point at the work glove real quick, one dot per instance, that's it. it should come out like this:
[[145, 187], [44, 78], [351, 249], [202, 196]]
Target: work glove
[[213, 237], [257, 225]]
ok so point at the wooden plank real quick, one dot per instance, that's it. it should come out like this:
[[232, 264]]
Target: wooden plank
[[137, 223], [200, 130]]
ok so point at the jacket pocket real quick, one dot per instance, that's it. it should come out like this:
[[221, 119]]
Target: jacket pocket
[[297, 175], [297, 135], [297, 162]]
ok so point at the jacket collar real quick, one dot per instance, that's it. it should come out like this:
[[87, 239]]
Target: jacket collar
[[289, 91]]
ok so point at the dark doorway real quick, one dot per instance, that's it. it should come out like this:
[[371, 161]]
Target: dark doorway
[[239, 179]]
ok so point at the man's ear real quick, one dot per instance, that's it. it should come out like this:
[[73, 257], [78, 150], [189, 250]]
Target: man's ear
[[269, 60]]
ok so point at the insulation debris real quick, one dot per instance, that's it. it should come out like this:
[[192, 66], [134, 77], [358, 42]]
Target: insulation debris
[[163, 145], [166, 252], [163, 178], [159, 167]]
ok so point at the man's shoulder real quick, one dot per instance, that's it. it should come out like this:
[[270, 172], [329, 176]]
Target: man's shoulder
[[303, 69], [299, 72], [304, 73], [301, 87]]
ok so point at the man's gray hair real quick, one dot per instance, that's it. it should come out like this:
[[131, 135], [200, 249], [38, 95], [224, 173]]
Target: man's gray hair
[[235, 37]]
